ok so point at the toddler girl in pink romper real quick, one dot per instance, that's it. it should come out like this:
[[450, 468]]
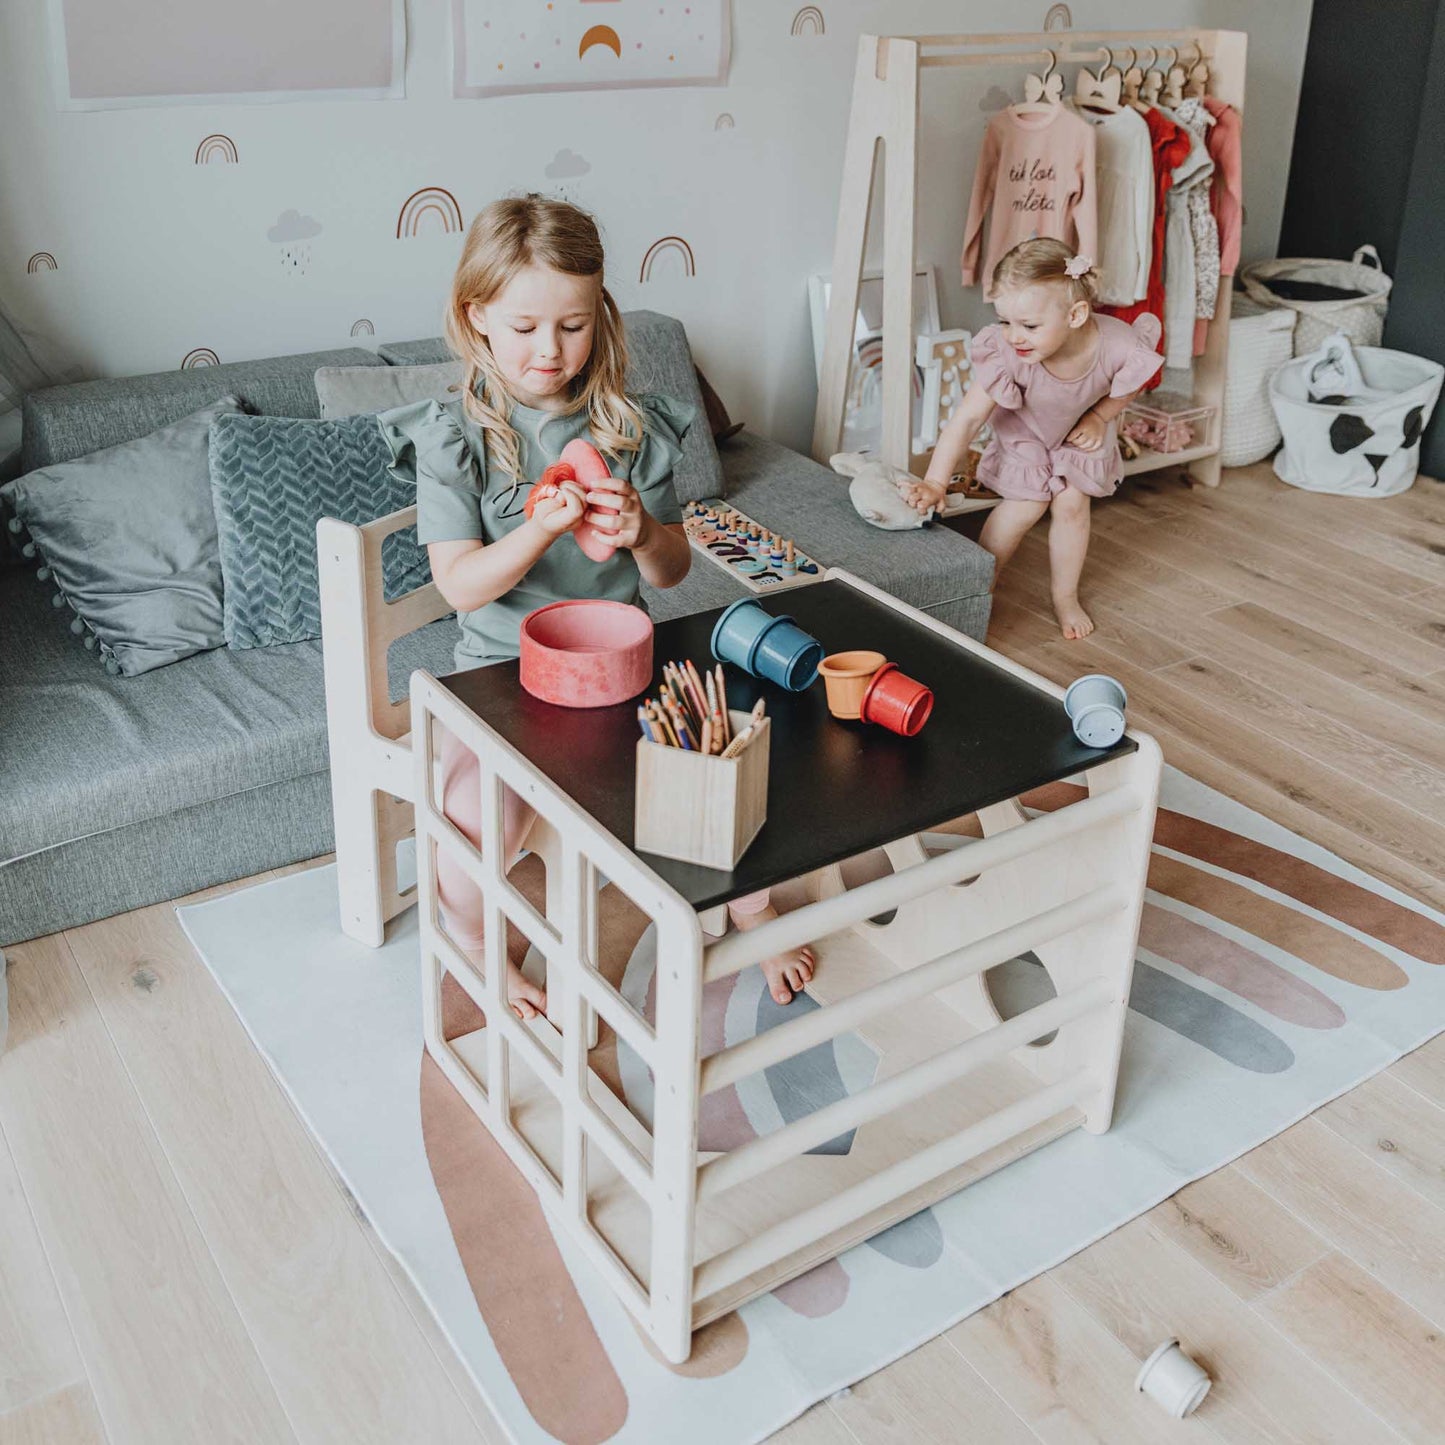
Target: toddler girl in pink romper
[[1051, 377]]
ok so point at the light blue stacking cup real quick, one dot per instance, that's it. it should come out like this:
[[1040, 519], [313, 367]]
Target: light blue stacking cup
[[1095, 705], [773, 648]]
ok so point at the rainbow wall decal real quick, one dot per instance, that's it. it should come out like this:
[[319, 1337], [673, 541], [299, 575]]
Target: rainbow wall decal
[[659, 248], [1060, 17], [41, 261], [429, 201], [362, 328], [201, 356], [809, 21], [217, 148], [603, 35], [724, 122]]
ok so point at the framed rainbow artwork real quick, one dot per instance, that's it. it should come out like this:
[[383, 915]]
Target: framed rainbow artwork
[[503, 47], [115, 54]]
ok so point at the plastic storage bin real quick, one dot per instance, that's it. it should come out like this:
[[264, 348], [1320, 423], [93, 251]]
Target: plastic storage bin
[[1170, 423]]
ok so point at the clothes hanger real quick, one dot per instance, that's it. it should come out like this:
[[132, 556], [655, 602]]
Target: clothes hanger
[[1153, 81], [1041, 92], [1130, 81], [1100, 91], [1198, 83], [1173, 92]]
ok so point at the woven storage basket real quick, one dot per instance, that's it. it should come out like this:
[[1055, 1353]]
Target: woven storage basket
[[1361, 318], [1260, 341]]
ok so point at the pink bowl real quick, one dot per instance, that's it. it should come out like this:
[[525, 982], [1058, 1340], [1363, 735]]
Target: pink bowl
[[586, 654]]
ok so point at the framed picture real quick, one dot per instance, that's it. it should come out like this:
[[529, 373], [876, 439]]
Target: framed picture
[[862, 413]]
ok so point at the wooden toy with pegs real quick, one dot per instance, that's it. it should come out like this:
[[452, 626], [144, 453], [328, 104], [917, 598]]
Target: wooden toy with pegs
[[763, 561]]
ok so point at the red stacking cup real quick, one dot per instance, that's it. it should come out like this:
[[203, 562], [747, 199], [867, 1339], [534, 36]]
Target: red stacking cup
[[895, 701]]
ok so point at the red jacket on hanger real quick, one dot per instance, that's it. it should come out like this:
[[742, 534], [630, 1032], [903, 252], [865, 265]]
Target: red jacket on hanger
[[1171, 144]]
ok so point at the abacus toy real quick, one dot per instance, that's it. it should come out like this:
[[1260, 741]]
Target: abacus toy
[[762, 560]]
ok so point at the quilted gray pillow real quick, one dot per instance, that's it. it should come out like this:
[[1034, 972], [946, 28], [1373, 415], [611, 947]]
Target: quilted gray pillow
[[273, 478]]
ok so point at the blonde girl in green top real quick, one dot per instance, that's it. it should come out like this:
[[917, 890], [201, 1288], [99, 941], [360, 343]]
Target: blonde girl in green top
[[545, 357]]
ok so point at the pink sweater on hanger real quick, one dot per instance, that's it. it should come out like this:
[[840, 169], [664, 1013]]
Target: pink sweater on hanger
[[1036, 174], [1226, 197]]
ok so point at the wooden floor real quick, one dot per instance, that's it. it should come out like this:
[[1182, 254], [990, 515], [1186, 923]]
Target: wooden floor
[[179, 1264]]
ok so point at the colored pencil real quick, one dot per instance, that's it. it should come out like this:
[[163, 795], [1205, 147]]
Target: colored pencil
[[722, 704]]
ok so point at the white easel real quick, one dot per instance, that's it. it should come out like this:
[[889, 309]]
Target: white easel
[[885, 112]]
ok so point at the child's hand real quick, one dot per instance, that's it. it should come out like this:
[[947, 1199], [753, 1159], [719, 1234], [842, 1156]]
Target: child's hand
[[622, 518], [561, 511], [924, 496], [1089, 432]]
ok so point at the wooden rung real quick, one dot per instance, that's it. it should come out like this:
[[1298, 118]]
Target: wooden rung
[[738, 950], [617, 1013], [764, 1153], [623, 1155], [892, 1183], [819, 1025]]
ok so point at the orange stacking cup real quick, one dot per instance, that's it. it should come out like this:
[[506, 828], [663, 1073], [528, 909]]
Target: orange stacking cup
[[847, 676], [896, 702]]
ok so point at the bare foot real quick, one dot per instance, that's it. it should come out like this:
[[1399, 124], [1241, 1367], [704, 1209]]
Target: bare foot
[[526, 998], [786, 973], [1074, 622]]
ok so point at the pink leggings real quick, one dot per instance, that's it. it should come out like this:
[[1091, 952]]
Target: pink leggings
[[461, 900]]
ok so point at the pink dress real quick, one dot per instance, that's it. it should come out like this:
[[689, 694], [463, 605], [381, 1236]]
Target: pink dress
[[1027, 460]]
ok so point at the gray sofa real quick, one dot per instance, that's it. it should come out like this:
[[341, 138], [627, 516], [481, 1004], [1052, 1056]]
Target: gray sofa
[[119, 792]]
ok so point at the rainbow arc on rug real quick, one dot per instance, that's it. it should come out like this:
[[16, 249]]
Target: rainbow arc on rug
[[1270, 977]]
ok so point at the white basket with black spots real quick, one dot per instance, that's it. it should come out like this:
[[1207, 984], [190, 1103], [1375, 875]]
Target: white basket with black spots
[[1352, 417]]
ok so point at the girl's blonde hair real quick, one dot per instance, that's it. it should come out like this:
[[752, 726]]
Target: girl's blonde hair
[[1045, 260], [505, 238]]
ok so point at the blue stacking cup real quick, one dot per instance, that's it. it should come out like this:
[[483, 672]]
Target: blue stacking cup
[[1095, 705], [773, 648]]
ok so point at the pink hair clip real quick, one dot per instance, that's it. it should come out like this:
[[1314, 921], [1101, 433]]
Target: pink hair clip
[[1078, 266]]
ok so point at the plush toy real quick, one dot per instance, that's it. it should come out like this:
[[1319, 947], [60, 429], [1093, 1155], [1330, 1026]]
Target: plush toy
[[876, 491], [579, 465]]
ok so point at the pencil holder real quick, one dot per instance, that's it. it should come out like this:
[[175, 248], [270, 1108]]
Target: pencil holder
[[847, 675], [1095, 705], [773, 648], [699, 808], [896, 701]]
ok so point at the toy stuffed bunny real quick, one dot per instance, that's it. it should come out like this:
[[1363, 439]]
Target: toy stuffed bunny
[[874, 491]]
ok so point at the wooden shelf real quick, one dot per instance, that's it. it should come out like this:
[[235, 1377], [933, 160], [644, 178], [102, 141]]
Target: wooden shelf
[[1152, 461]]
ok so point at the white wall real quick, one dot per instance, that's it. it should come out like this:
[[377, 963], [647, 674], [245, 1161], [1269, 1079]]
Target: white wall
[[158, 255]]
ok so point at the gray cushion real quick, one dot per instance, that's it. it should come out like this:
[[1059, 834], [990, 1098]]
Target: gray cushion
[[119, 792], [658, 359], [68, 421], [274, 478], [129, 535], [353, 390]]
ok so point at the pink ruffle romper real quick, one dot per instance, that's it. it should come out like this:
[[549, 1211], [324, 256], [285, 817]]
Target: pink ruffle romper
[[1027, 459]]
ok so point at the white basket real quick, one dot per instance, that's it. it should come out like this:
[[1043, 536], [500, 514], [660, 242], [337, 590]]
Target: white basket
[[1352, 418], [1361, 318], [1260, 342]]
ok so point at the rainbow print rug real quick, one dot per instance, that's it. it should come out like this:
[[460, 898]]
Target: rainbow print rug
[[1271, 978]]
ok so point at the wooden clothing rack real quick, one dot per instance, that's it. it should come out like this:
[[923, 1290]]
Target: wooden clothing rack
[[885, 112]]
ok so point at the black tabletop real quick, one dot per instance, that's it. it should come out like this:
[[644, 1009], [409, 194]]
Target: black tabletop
[[835, 789]]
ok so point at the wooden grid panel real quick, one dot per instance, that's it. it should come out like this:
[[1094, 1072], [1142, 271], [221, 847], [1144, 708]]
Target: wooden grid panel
[[659, 1169]]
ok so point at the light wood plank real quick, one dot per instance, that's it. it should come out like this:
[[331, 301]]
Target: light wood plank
[[342, 1349], [38, 1354], [1400, 1129], [1391, 627], [1145, 1290], [1266, 505], [139, 1285], [1380, 1223], [1415, 785], [925, 1396], [818, 1426], [67, 1417], [1245, 1239], [1063, 1373], [1382, 1351], [1424, 1070]]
